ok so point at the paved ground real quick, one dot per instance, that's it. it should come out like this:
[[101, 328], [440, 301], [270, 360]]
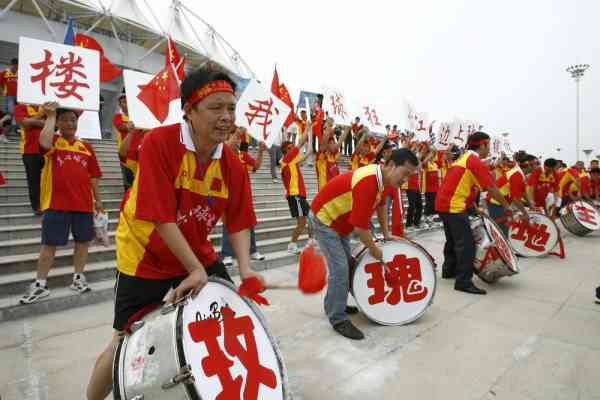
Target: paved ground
[[535, 336]]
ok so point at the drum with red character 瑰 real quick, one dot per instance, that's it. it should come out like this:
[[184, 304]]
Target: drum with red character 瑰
[[398, 292], [580, 218], [215, 345], [534, 237], [494, 258]]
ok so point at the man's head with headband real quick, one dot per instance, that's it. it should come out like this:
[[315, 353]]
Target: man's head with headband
[[208, 101], [479, 142]]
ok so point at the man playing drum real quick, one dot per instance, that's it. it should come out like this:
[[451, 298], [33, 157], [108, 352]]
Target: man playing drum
[[187, 180], [542, 186], [465, 174], [346, 204]]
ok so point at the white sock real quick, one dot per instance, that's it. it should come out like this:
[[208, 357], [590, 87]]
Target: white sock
[[41, 282]]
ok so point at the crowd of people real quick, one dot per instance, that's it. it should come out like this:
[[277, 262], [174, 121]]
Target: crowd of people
[[181, 179]]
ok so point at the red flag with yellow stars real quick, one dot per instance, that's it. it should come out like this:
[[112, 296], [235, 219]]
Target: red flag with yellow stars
[[172, 58], [284, 95], [159, 92], [108, 71]]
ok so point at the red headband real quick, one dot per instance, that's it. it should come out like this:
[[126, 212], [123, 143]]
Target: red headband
[[478, 142], [207, 90]]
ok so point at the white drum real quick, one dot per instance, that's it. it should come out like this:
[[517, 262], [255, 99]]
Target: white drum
[[494, 258], [535, 237], [215, 345], [410, 294], [580, 218]]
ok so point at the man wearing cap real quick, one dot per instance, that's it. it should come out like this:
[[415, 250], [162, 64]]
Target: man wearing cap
[[122, 127], [70, 195], [187, 180], [465, 174], [344, 205]]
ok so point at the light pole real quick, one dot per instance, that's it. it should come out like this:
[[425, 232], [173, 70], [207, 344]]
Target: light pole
[[577, 72], [558, 149], [587, 153]]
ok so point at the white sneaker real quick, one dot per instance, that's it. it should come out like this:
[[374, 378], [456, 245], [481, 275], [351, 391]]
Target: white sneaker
[[228, 261], [257, 256], [293, 248], [275, 180], [3, 139], [80, 285], [34, 293]]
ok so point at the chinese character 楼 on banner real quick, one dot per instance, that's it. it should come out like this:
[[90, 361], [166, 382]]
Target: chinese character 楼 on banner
[[50, 71]]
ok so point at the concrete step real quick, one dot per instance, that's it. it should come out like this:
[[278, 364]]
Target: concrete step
[[16, 283], [28, 255], [18, 220], [12, 237], [107, 193], [102, 290]]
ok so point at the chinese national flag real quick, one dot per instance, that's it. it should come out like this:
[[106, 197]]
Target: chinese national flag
[[172, 57], [282, 94], [108, 71], [159, 92]]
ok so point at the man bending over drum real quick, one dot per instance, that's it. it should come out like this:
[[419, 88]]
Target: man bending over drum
[[346, 204], [464, 174], [187, 180]]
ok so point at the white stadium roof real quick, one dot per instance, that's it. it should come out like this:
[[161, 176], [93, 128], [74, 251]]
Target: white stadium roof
[[145, 23]]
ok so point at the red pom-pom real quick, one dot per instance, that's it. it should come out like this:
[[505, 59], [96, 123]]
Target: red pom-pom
[[312, 274]]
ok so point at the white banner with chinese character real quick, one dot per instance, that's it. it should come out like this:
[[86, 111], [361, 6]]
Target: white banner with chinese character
[[507, 145], [337, 106], [371, 117], [261, 113], [443, 136], [50, 71], [458, 134], [138, 112], [88, 125]]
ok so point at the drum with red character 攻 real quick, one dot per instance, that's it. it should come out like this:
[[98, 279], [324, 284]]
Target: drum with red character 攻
[[398, 292], [580, 218], [494, 258], [215, 345], [534, 237]]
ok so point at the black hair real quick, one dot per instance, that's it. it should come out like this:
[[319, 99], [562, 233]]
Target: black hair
[[200, 78], [595, 170], [14, 61], [60, 111], [521, 157], [400, 156], [550, 163], [476, 137], [244, 146], [284, 146], [357, 118]]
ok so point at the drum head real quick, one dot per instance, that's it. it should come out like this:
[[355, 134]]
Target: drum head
[[502, 246], [226, 342], [534, 238], [408, 297], [586, 214]]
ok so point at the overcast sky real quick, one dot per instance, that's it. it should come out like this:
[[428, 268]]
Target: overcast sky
[[499, 62]]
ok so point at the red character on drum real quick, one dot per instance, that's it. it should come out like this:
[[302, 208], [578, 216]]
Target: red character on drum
[[187, 180], [344, 205], [465, 174]]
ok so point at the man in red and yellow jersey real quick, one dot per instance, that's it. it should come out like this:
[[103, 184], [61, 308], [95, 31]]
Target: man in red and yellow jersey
[[584, 179], [130, 148], [251, 166], [430, 181], [8, 86], [363, 155], [344, 205], [187, 180], [595, 183], [568, 185], [328, 154], [512, 186], [542, 186], [295, 191], [70, 194], [122, 127], [467, 173], [31, 120]]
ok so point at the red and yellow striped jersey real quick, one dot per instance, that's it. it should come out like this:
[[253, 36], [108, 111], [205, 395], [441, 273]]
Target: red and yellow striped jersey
[[464, 175], [326, 167], [350, 199], [511, 184], [66, 178], [131, 159], [357, 160], [542, 183], [30, 137], [171, 186], [291, 175]]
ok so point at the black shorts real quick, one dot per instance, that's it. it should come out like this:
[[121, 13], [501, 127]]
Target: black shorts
[[298, 206], [56, 226], [132, 293]]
